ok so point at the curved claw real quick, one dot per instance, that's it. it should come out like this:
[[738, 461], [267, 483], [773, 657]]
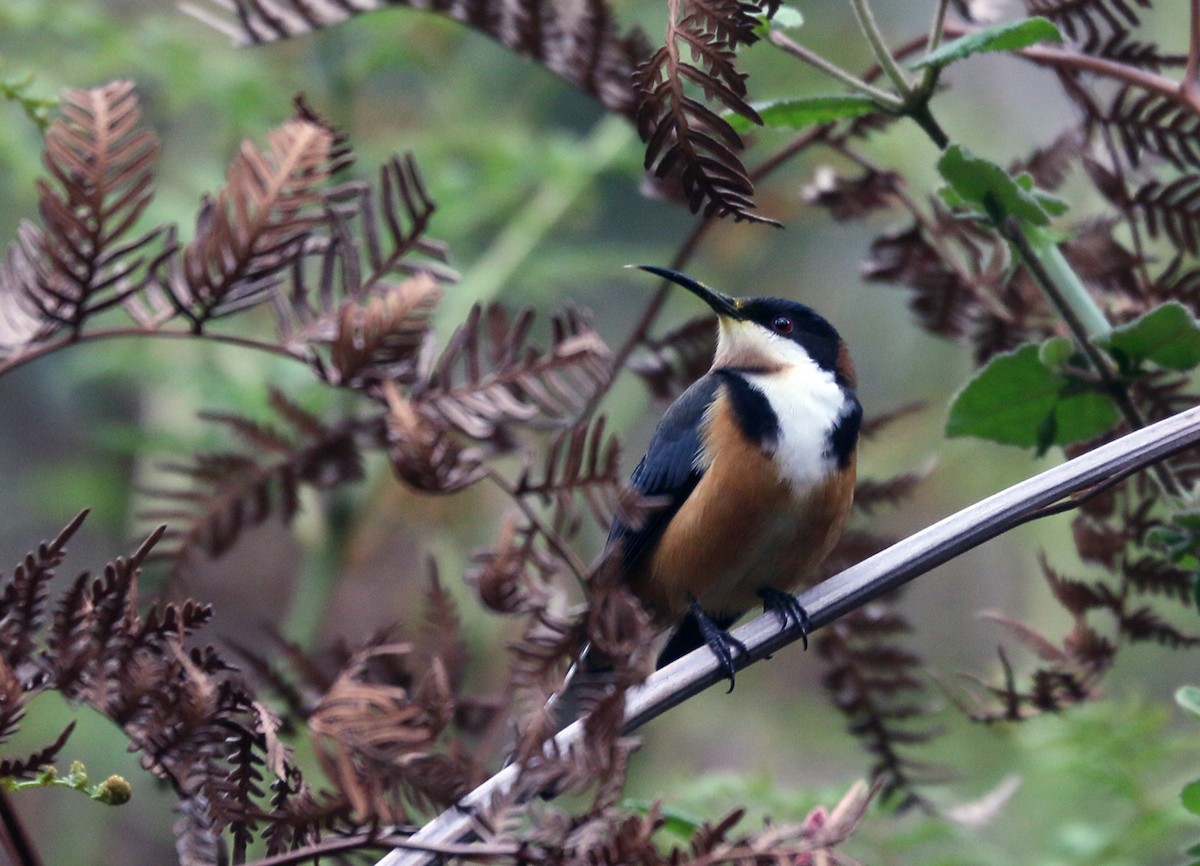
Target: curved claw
[[786, 607], [721, 642]]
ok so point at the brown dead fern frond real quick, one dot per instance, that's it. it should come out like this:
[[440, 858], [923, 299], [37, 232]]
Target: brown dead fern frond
[[380, 742], [685, 139], [488, 378], [381, 337], [256, 227], [84, 258], [232, 491], [672, 362], [371, 236], [580, 462], [579, 42]]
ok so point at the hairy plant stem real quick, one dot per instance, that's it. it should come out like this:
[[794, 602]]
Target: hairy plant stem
[[939, 24], [870, 29], [885, 100]]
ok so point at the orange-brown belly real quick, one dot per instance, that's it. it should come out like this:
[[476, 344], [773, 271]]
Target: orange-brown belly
[[741, 529]]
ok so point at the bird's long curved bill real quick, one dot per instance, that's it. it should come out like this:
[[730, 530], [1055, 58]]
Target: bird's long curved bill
[[722, 305]]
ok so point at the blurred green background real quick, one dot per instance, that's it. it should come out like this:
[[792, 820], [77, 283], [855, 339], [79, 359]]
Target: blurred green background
[[539, 201]]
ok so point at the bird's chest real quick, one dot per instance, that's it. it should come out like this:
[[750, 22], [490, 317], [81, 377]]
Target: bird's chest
[[757, 518]]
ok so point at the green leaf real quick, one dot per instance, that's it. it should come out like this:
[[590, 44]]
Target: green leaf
[[1190, 795], [1018, 400], [1056, 352], [1010, 36], [798, 113], [1188, 697], [1168, 336], [986, 184]]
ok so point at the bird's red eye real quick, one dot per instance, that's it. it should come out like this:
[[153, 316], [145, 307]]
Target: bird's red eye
[[782, 325]]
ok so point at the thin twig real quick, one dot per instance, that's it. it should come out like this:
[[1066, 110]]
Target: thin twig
[[1175, 91], [885, 100], [939, 24], [554, 539], [16, 840], [870, 29], [848, 591], [30, 355]]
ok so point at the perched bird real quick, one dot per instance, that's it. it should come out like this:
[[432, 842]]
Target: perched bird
[[756, 465]]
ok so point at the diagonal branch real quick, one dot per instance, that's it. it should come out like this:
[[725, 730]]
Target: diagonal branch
[[845, 592]]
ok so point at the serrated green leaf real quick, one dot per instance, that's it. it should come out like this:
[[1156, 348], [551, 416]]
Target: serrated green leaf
[[1018, 400], [986, 184], [1168, 336], [1188, 697], [798, 113], [1190, 795], [1009, 36]]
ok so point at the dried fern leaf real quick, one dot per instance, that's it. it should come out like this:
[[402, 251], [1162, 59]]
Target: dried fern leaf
[[1172, 209], [674, 361], [423, 452], [373, 235], [1092, 23], [1155, 123], [580, 462], [232, 491], [84, 258], [375, 740], [24, 596], [487, 378], [684, 137], [381, 337], [256, 227], [578, 41]]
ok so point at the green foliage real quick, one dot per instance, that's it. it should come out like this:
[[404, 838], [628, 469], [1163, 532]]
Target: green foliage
[[1168, 336], [36, 108], [113, 791], [806, 111], [1017, 399], [1008, 36], [980, 182]]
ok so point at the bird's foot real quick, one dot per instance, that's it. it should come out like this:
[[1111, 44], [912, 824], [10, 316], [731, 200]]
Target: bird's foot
[[721, 642], [785, 607]]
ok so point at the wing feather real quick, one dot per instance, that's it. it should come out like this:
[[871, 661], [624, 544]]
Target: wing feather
[[669, 471]]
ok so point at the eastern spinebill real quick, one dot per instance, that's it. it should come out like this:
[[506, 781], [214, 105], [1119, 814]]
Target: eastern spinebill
[[755, 465]]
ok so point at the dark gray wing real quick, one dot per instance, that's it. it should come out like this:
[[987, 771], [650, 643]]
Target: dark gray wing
[[668, 470]]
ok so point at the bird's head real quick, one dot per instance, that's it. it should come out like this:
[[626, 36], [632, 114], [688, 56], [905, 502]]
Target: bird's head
[[768, 334]]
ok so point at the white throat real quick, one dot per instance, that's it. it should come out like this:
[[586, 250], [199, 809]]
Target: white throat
[[807, 399]]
